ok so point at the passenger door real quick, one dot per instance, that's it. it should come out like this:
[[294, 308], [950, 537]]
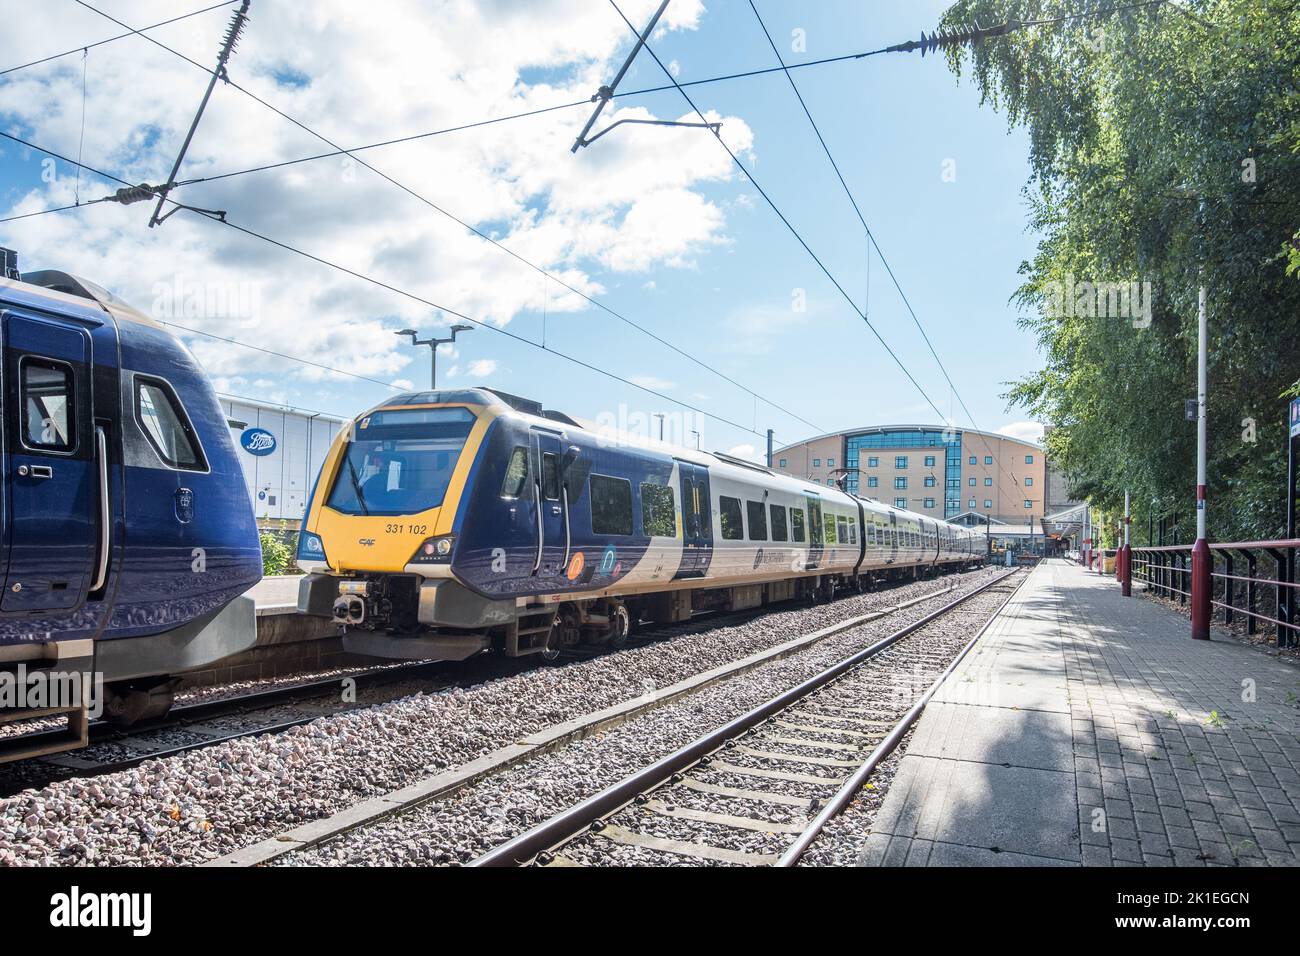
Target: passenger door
[[697, 521], [816, 537], [53, 479], [553, 517]]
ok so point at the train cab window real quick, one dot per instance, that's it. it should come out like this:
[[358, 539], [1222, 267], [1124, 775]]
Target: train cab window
[[551, 476], [611, 505], [516, 473], [658, 512], [733, 528], [48, 404], [779, 530], [162, 419], [757, 521], [796, 524]]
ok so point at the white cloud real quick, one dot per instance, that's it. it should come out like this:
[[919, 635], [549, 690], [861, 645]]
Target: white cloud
[[1025, 431], [633, 203], [481, 368], [746, 451]]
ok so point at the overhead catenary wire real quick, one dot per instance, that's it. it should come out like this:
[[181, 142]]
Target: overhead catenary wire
[[858, 210], [784, 219], [473, 229], [120, 36], [397, 290]]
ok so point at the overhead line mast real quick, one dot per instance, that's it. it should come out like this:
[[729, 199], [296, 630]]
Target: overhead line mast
[[227, 48]]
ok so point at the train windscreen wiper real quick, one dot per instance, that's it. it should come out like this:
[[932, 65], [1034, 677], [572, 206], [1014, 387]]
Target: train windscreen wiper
[[356, 484]]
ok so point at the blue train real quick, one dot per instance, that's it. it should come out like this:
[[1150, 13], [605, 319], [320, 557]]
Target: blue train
[[126, 532], [448, 523]]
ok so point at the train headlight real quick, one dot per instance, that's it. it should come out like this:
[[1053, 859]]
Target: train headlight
[[434, 551], [310, 547]]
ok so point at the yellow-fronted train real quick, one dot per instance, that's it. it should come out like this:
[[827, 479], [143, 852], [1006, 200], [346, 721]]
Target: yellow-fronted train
[[445, 524]]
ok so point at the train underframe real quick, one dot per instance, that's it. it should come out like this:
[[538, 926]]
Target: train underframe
[[406, 617]]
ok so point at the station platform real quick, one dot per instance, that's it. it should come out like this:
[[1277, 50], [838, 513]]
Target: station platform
[[1086, 728]]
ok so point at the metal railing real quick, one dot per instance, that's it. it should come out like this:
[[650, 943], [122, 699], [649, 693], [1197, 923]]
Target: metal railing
[[1248, 578]]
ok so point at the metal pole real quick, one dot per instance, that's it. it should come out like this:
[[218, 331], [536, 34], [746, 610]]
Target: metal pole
[[1201, 559], [433, 366], [1126, 555], [769, 448], [606, 92], [1293, 610], [227, 47]]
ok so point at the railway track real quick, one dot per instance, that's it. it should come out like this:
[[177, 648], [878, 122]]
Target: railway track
[[114, 747], [785, 767], [186, 727]]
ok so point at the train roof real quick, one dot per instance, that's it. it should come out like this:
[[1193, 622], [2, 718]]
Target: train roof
[[89, 298]]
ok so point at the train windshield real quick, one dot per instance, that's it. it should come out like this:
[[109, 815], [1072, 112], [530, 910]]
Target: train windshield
[[400, 461]]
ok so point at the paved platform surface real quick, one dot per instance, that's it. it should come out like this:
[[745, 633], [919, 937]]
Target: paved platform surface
[[276, 594], [1087, 728]]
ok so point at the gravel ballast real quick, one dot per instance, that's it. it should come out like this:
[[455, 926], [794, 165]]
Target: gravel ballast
[[480, 817], [208, 802]]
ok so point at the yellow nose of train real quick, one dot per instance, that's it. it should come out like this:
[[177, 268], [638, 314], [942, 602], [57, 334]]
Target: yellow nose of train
[[391, 485]]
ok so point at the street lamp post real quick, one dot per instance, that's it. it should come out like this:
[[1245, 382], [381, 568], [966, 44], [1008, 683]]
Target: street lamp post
[[1201, 559], [433, 347]]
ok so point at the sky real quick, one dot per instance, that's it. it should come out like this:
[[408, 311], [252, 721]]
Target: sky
[[651, 226]]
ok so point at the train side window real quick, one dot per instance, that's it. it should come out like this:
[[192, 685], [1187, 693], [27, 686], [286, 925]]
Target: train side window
[[658, 512], [842, 528], [551, 476], [757, 520], [516, 473], [853, 531], [48, 405], [162, 418], [779, 530], [611, 505], [796, 524], [729, 512]]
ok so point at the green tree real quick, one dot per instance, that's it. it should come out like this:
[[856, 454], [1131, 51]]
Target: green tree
[[1165, 148]]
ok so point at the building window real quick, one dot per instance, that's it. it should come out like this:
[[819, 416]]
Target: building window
[[817, 462], [900, 502], [611, 505], [972, 504], [1029, 482], [974, 460], [1028, 503], [873, 481], [782, 465], [873, 462], [929, 461], [900, 461], [729, 514], [972, 482], [900, 484], [929, 502], [929, 481], [988, 459], [988, 482], [830, 462], [988, 505], [1029, 459]]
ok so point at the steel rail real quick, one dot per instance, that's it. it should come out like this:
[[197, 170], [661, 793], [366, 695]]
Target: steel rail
[[569, 823], [845, 795]]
